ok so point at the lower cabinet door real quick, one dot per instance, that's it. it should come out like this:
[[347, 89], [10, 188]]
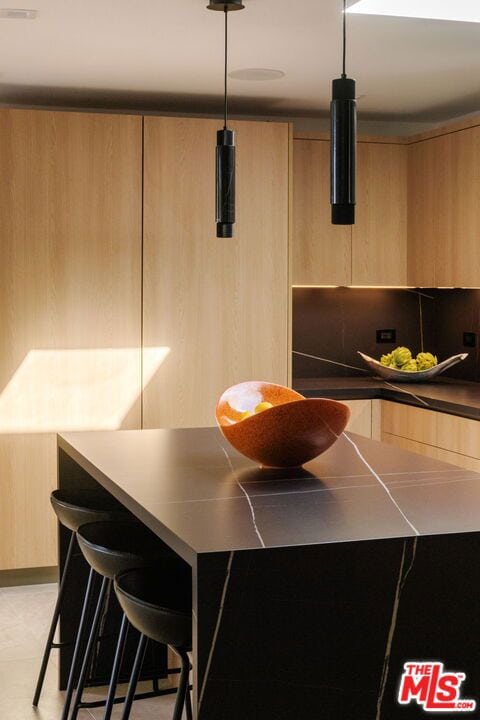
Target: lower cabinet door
[[438, 435], [433, 452]]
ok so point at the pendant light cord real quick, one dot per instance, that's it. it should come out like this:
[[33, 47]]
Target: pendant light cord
[[225, 105], [344, 37]]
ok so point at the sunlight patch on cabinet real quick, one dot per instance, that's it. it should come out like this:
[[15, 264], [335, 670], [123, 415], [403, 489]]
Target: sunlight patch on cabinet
[[69, 390]]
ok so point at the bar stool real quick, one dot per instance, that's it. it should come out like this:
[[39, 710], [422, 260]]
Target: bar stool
[[74, 508], [111, 548], [160, 607]]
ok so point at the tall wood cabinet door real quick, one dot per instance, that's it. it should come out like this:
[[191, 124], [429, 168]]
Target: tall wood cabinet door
[[216, 308], [322, 252], [427, 180], [70, 303], [457, 206], [379, 239]]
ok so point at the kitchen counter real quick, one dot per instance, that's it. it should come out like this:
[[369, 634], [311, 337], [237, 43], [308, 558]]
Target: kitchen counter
[[451, 396], [181, 482], [311, 586]]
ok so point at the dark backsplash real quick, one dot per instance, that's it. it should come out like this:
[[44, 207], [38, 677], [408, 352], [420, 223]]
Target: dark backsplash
[[333, 323]]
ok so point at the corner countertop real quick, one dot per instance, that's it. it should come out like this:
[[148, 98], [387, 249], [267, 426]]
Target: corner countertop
[[450, 396], [201, 496]]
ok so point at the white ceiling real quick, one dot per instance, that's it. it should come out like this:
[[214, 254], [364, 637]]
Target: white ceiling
[[167, 55]]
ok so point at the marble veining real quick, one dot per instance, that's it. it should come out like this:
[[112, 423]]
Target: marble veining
[[420, 311], [358, 490], [321, 619], [216, 631], [331, 362], [254, 520], [381, 483], [332, 324], [353, 614], [408, 392], [452, 396], [402, 579], [380, 380], [411, 482]]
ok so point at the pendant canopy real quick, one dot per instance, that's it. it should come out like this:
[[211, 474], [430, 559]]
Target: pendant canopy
[[343, 144], [226, 6], [225, 150]]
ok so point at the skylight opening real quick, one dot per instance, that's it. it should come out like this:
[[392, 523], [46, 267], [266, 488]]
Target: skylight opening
[[451, 10]]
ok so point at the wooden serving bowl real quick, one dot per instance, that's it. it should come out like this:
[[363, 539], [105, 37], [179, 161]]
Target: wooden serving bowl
[[292, 432]]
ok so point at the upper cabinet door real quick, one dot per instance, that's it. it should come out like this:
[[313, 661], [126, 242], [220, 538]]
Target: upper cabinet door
[[379, 241], [216, 310], [457, 195], [322, 252], [426, 192], [444, 211]]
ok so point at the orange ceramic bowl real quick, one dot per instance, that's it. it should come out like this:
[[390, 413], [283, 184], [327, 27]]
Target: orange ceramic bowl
[[289, 434]]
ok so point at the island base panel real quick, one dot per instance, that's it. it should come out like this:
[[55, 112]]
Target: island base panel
[[324, 631]]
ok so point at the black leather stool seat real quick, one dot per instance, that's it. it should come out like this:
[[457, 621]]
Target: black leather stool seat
[[77, 507], [158, 602], [113, 547]]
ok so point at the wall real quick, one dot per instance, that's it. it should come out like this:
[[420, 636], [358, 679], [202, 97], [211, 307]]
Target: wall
[[333, 323]]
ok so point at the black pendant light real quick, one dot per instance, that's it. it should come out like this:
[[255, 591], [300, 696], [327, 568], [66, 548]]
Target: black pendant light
[[343, 154], [225, 151]]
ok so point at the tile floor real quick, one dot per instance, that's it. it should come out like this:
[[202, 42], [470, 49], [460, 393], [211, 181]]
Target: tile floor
[[25, 614]]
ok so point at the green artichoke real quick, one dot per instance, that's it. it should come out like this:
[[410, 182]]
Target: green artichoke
[[387, 359], [410, 366], [426, 360], [401, 359], [401, 356]]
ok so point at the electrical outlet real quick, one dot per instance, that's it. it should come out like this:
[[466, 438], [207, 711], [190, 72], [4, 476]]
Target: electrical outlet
[[386, 336], [469, 339]]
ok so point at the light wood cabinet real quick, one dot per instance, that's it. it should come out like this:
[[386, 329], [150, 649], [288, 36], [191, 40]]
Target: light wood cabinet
[[457, 434], [409, 422], [379, 236], [444, 215], [439, 435], [215, 312], [374, 250], [458, 247], [322, 252], [418, 217], [219, 308], [70, 294], [424, 226], [365, 418], [462, 461]]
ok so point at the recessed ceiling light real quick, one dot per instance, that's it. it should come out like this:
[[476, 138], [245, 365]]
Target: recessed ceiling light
[[459, 10], [18, 14], [257, 74]]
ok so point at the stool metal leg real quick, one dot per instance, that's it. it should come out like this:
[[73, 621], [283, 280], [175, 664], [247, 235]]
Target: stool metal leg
[[78, 645], [137, 666], [188, 704], [183, 685], [89, 649], [117, 663], [53, 626]]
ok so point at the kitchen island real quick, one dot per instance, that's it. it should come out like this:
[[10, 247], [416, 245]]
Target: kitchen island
[[312, 586]]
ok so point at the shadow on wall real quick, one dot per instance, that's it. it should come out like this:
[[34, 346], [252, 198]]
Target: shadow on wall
[[333, 323]]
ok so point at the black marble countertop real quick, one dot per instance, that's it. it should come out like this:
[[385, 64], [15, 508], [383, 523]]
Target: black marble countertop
[[199, 495], [456, 397]]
